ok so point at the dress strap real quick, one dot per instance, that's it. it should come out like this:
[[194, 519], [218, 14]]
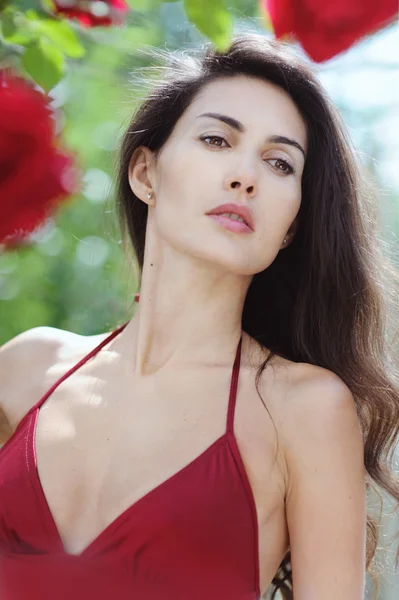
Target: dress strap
[[79, 364], [233, 388]]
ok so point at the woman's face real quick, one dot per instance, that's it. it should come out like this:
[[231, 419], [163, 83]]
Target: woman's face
[[207, 162]]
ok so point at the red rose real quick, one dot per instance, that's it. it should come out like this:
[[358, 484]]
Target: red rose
[[92, 13], [35, 175], [327, 27]]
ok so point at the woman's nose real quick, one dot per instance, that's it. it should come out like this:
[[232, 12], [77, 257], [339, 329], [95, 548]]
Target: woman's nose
[[242, 180], [239, 185]]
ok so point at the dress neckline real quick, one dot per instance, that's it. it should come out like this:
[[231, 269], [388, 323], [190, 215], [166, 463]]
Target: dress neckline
[[136, 505]]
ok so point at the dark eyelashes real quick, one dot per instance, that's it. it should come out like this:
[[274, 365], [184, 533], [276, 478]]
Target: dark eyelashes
[[288, 169], [212, 137]]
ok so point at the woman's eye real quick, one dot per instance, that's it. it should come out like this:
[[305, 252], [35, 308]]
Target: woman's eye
[[213, 137], [283, 165]]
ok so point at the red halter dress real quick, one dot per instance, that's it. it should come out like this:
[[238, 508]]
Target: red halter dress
[[193, 537]]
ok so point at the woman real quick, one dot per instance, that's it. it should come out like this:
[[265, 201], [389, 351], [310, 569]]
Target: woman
[[224, 438]]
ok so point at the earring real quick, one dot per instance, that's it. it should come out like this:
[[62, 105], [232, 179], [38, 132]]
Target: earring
[[149, 195], [284, 241]]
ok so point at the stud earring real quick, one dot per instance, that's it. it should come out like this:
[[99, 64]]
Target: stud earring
[[284, 241], [149, 195]]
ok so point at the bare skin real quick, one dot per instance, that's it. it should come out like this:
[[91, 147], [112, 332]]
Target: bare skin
[[156, 397], [81, 441]]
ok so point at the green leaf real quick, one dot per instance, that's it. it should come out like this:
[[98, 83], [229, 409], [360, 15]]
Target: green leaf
[[8, 26], [45, 63], [31, 14], [61, 33], [212, 18], [13, 27]]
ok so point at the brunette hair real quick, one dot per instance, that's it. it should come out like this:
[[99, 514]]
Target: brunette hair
[[327, 299]]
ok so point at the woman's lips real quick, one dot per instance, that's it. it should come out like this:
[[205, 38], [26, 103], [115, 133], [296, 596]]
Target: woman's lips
[[231, 224]]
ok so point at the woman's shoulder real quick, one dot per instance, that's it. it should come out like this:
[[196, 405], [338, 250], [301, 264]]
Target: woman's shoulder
[[316, 413], [301, 382], [34, 350], [25, 362], [297, 378], [309, 389], [303, 391]]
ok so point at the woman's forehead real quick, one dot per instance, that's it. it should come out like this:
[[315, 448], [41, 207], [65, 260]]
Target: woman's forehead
[[257, 104]]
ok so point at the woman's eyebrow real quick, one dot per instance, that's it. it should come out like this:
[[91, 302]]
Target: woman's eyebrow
[[274, 139]]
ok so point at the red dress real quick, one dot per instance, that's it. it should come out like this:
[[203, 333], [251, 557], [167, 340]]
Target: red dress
[[193, 537]]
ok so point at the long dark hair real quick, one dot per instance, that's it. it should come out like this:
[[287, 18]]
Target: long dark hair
[[326, 299]]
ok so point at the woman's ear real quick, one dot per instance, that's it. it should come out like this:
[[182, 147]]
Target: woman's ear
[[289, 236], [141, 174]]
